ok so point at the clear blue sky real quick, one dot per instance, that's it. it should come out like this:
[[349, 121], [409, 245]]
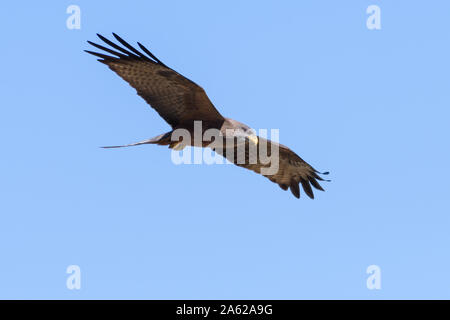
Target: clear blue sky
[[370, 106]]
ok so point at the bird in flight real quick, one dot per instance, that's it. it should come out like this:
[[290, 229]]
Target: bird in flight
[[181, 103]]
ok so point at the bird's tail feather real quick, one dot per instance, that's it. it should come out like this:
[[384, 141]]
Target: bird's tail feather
[[129, 145], [162, 139]]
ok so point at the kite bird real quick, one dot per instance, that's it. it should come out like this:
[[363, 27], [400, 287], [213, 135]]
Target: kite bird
[[180, 102]]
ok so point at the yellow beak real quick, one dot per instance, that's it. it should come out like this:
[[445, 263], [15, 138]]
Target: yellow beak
[[253, 138]]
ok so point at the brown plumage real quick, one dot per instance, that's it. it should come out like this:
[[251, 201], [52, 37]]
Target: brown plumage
[[292, 169], [180, 102]]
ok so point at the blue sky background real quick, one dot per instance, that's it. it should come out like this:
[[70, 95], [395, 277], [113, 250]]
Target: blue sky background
[[372, 107]]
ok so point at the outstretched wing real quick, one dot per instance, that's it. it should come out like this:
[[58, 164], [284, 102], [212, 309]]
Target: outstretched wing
[[177, 99], [292, 170]]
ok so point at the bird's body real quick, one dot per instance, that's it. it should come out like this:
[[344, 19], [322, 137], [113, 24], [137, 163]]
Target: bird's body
[[184, 105]]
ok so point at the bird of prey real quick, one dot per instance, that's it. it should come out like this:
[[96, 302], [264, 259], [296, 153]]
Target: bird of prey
[[181, 102]]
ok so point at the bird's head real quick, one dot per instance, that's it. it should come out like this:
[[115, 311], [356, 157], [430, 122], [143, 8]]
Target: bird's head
[[239, 131], [247, 134]]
